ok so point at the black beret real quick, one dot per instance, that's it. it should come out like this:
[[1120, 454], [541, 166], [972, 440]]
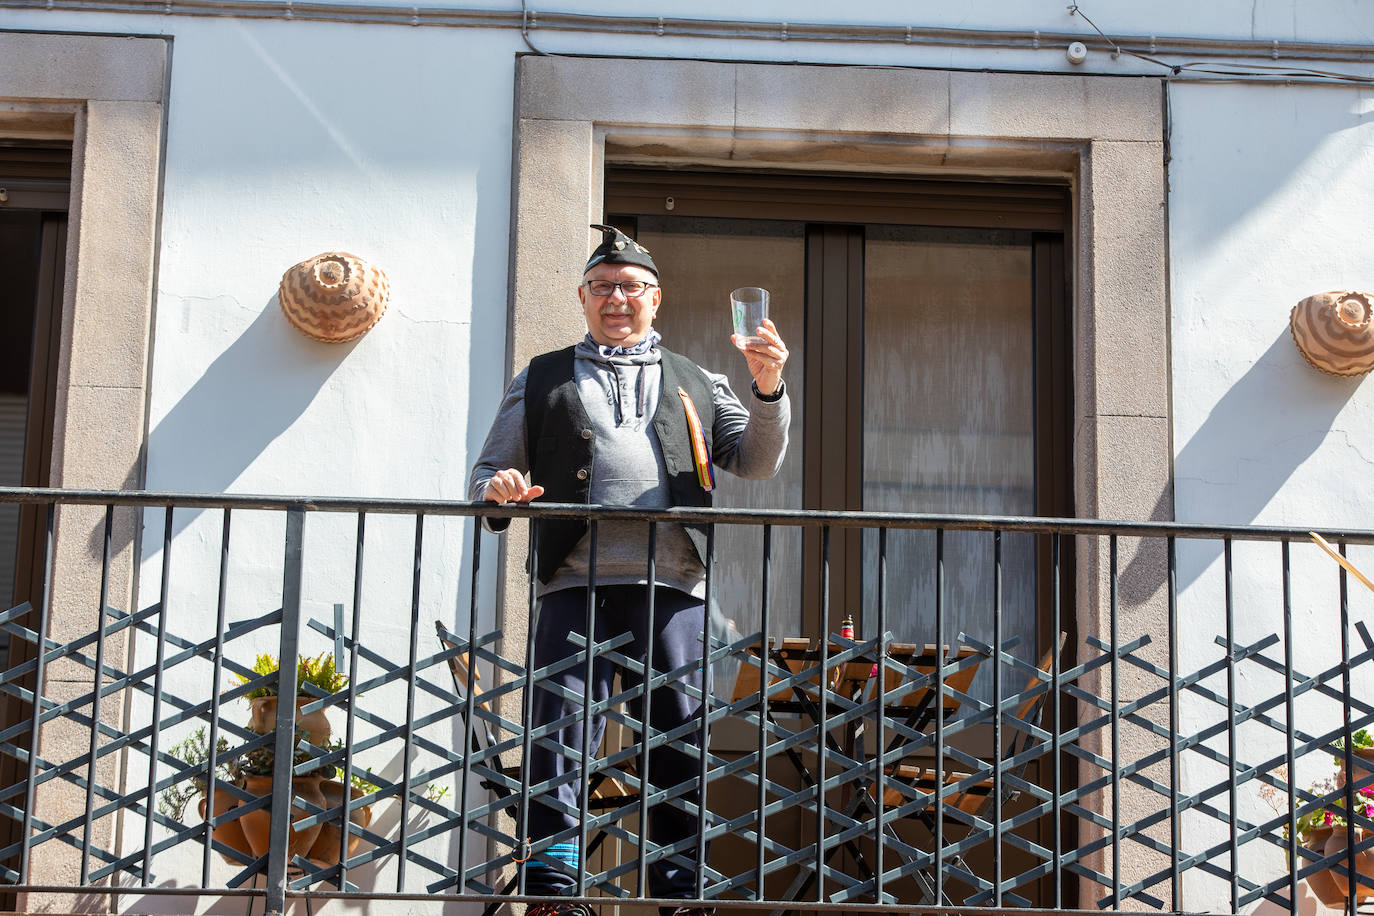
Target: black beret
[[618, 248]]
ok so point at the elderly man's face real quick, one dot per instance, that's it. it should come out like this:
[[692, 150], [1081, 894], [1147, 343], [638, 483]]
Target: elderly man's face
[[617, 320]]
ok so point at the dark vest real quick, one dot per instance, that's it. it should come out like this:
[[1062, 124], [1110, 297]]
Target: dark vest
[[562, 448]]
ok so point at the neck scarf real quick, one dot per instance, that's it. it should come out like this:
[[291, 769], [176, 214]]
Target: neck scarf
[[644, 346]]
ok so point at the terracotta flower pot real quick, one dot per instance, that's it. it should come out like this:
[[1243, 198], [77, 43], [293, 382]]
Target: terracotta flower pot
[[1364, 865], [257, 825], [325, 851], [1361, 765], [231, 832], [313, 727], [1322, 884]]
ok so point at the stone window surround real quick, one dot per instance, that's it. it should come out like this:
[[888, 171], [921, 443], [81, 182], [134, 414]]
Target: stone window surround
[[1105, 135], [107, 95]]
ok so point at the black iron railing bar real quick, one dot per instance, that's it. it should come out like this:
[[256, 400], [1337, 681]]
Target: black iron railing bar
[[822, 689], [1305, 683], [469, 711], [1114, 617], [30, 780], [1056, 700], [584, 787], [216, 679], [1288, 705], [765, 598], [350, 714], [1302, 684], [938, 795], [998, 748], [1175, 829], [521, 853], [705, 732], [802, 518], [408, 729], [1348, 745], [1233, 796], [68, 770], [1258, 712], [283, 750], [160, 658], [880, 724], [646, 679], [762, 905], [96, 696]]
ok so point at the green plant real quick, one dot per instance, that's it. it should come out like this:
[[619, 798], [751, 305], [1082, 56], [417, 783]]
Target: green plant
[[1358, 740], [261, 762], [362, 783], [193, 750], [318, 670], [1330, 814]]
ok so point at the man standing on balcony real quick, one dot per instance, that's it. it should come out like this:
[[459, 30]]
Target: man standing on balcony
[[618, 420]]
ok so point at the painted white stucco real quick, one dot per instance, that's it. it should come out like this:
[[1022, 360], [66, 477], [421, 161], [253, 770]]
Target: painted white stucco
[[285, 139]]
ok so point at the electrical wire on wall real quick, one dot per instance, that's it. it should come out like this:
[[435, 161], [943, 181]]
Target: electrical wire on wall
[[1217, 68], [525, 28], [1210, 57]]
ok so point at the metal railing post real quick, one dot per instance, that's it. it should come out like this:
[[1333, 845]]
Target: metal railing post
[[283, 747], [36, 713]]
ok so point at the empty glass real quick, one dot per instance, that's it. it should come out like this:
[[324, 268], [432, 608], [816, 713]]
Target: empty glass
[[748, 309]]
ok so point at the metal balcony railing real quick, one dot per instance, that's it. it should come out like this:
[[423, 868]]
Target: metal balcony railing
[[1177, 740]]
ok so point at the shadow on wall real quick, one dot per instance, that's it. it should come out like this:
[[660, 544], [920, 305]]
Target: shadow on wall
[[1243, 456], [244, 400]]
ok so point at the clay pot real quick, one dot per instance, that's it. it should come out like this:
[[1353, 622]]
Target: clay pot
[[257, 824], [229, 833], [1364, 865], [1333, 332], [334, 297], [1361, 766], [314, 727], [325, 851], [1322, 884]]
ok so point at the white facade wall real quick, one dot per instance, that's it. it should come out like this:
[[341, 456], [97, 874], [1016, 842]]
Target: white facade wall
[[286, 138]]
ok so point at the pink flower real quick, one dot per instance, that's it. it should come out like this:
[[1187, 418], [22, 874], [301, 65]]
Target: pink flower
[[1327, 819]]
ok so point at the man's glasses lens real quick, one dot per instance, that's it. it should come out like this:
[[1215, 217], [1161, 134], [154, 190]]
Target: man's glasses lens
[[631, 288]]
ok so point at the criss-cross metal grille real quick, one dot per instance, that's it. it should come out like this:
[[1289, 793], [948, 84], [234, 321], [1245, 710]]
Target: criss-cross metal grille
[[1171, 749]]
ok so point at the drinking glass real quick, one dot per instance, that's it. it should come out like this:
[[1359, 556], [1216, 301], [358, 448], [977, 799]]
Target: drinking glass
[[748, 309]]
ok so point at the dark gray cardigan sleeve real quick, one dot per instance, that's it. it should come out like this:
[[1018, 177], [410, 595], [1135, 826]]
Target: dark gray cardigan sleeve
[[505, 446]]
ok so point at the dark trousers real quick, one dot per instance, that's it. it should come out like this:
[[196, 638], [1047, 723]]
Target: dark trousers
[[676, 640]]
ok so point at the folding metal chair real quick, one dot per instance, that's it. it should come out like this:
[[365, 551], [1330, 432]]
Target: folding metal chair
[[609, 789], [911, 788]]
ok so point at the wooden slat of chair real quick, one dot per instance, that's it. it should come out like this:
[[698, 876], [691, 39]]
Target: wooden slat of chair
[[955, 680], [608, 788], [792, 650], [975, 798], [922, 778]]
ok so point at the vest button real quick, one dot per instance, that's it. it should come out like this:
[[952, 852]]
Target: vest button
[[586, 434], [582, 474]]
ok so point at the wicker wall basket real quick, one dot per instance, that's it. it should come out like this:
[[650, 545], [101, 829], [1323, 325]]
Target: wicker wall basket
[[334, 297], [1333, 332]]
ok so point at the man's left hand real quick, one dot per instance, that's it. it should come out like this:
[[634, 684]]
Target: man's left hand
[[765, 357]]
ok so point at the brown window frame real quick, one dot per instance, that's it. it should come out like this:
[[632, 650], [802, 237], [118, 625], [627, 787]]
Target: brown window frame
[[35, 177], [835, 207]]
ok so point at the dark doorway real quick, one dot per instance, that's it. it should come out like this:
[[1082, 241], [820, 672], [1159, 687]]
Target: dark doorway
[[34, 183], [931, 371]]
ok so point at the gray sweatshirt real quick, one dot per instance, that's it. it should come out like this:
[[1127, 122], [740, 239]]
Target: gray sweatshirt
[[620, 395]]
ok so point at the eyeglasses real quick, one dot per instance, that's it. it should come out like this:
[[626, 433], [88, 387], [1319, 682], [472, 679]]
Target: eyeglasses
[[632, 289]]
